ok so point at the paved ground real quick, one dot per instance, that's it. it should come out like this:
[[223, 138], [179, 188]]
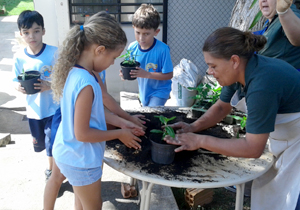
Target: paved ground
[[22, 178]]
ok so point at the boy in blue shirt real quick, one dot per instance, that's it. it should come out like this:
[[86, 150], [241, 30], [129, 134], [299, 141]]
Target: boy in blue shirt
[[37, 56], [156, 70]]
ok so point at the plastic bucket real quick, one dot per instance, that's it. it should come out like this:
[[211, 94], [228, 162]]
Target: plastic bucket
[[31, 78], [162, 153]]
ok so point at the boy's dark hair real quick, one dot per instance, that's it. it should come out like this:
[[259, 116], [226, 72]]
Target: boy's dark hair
[[146, 17], [28, 17]]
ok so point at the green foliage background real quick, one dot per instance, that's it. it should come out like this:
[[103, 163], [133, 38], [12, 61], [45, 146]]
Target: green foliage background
[[15, 7]]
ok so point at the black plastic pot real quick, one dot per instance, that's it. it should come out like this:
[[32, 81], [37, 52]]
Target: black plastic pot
[[162, 153], [126, 70], [31, 77]]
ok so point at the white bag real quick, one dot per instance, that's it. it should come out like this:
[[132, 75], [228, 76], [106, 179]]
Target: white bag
[[185, 75]]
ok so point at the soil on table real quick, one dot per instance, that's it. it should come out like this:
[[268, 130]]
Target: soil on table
[[183, 160]]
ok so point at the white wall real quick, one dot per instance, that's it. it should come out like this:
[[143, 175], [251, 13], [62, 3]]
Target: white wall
[[56, 19]]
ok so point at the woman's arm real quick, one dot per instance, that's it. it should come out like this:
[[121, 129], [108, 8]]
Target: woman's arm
[[250, 147], [289, 21], [212, 116]]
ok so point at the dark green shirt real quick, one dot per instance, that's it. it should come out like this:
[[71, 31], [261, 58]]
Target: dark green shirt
[[278, 45], [271, 87]]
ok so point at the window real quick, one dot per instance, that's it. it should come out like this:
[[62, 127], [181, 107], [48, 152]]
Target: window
[[122, 10]]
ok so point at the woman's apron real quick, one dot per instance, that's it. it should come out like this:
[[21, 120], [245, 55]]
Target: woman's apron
[[279, 187]]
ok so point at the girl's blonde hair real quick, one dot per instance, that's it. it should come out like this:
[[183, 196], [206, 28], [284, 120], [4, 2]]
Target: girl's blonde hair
[[100, 29]]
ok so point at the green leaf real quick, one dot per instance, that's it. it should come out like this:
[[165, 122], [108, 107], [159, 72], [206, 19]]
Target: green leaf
[[169, 119], [253, 3], [170, 131], [237, 117], [23, 75], [156, 131], [256, 19]]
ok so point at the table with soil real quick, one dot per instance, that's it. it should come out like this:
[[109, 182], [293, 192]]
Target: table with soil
[[190, 169]]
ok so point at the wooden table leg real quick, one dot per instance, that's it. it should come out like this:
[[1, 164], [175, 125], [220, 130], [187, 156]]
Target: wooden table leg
[[239, 200], [146, 195]]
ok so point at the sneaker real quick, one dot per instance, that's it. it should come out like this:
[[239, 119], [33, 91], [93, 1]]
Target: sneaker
[[247, 193], [48, 174], [231, 189]]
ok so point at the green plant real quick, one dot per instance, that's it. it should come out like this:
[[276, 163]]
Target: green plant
[[207, 94], [257, 16], [167, 129], [128, 58], [23, 75], [242, 123]]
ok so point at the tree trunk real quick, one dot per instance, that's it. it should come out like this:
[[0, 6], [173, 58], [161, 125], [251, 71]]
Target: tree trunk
[[242, 16]]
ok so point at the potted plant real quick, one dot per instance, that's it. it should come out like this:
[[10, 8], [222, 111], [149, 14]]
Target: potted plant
[[241, 121], [161, 152], [27, 80], [128, 64]]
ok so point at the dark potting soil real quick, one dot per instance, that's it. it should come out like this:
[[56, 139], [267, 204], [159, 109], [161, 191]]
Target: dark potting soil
[[29, 76], [136, 64], [183, 160]]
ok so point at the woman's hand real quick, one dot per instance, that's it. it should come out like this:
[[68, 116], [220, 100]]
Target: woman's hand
[[186, 141], [181, 127], [283, 5], [129, 139], [43, 86]]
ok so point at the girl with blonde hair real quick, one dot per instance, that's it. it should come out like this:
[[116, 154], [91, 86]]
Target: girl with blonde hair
[[80, 140]]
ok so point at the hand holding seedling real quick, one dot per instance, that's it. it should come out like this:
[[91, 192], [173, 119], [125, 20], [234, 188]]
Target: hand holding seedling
[[19, 88], [139, 72], [181, 127], [186, 141], [283, 5], [43, 85], [129, 139]]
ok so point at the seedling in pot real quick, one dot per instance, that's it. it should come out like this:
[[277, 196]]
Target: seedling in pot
[[167, 129], [243, 121], [128, 58]]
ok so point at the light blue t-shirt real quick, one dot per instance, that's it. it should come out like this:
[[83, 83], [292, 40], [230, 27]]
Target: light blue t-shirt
[[67, 149], [155, 59], [102, 75], [39, 105]]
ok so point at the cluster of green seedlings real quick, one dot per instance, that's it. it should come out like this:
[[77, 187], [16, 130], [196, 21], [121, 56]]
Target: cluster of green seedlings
[[129, 59], [207, 95]]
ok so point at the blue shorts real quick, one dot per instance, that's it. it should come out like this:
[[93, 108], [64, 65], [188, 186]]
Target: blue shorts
[[80, 176], [155, 101], [41, 134], [54, 126]]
